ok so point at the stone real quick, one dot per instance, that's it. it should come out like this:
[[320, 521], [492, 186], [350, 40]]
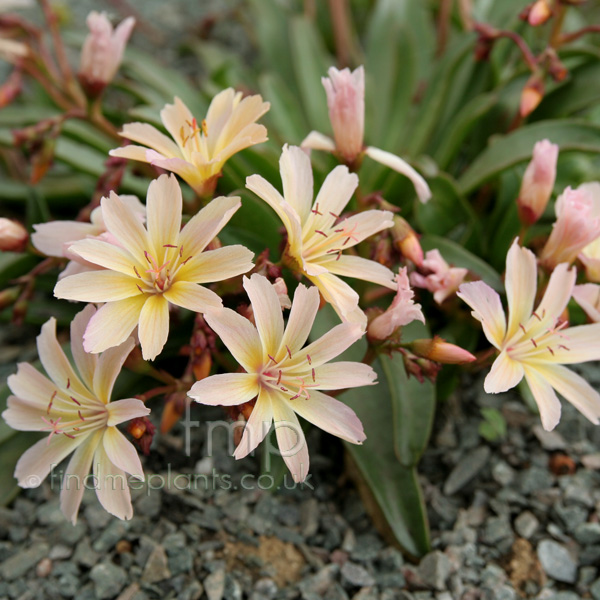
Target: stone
[[366, 593], [534, 479], [526, 524], [110, 536], [496, 529], [588, 533], [214, 585], [356, 575], [550, 440], [85, 555], [595, 589], [266, 586], [435, 569], [109, 579], [466, 469], [17, 565], [309, 517], [503, 473], [557, 561], [157, 568], [320, 581]]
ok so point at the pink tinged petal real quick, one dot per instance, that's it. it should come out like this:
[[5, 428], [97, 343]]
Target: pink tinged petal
[[54, 361], [109, 366], [297, 180], [545, 398], [122, 221], [132, 152], [111, 486], [122, 453], [217, 265], [364, 225], [97, 286], [193, 297], [338, 293], [334, 195], [28, 383], [125, 410], [332, 416], [487, 308], [174, 117], [267, 311], [146, 134], [258, 425], [85, 361], [506, 373], [361, 268], [73, 485], [263, 189], [317, 141], [113, 324], [50, 238], [38, 461], [23, 414], [558, 293], [188, 171], [106, 255], [401, 166], [574, 389], [328, 346], [240, 337], [343, 375], [572, 345], [290, 439], [588, 297], [521, 286], [163, 206], [153, 326], [202, 228], [227, 389], [300, 321]]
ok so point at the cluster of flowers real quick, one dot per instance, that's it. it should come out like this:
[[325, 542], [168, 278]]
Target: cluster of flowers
[[135, 262]]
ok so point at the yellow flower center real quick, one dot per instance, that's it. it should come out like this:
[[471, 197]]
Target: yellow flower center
[[160, 274]]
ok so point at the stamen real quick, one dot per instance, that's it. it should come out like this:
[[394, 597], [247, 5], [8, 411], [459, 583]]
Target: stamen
[[148, 257], [315, 210], [169, 246], [78, 403], [204, 127], [551, 351], [564, 347], [313, 375], [523, 328], [68, 435], [80, 415], [309, 359], [279, 378], [68, 382], [51, 401], [536, 316], [321, 232], [181, 251], [136, 271], [288, 351], [186, 260], [534, 342], [334, 215], [283, 389], [139, 288], [296, 396], [271, 358]]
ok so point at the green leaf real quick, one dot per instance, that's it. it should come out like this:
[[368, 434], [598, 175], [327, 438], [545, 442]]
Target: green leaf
[[13, 265], [311, 62], [506, 151], [459, 257], [11, 450]]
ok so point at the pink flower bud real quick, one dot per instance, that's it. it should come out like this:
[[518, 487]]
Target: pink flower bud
[[102, 51], [441, 351], [442, 279], [406, 241], [13, 236], [532, 95], [539, 13], [590, 257], [402, 311], [538, 182], [577, 224], [346, 101]]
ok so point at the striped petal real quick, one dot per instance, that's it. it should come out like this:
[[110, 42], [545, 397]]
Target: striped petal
[[317, 141], [121, 452], [109, 366], [106, 255], [343, 375], [361, 268], [505, 374], [192, 296], [153, 326], [85, 361], [521, 286], [302, 316], [148, 135], [97, 286], [163, 207], [125, 410], [297, 180], [217, 265]]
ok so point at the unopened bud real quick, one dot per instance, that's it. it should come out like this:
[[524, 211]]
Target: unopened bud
[[11, 88], [539, 13], [407, 241], [439, 350], [13, 236], [142, 431], [173, 411], [532, 95], [202, 365]]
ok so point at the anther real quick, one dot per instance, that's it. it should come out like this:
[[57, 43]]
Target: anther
[[271, 358], [136, 271], [523, 328], [78, 403], [139, 288], [321, 232], [283, 389], [279, 378], [51, 401], [169, 246], [309, 359], [534, 342], [536, 316], [80, 415], [288, 351], [551, 351], [313, 375], [564, 347], [181, 251], [68, 382], [315, 210]]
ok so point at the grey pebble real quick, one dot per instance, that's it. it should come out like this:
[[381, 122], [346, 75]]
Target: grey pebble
[[557, 561], [214, 585], [526, 524], [157, 568], [595, 589], [466, 469], [109, 579], [435, 569], [17, 565], [588, 533], [356, 575]]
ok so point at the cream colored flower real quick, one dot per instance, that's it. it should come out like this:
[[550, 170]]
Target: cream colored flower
[[587, 296], [199, 149], [73, 405], [318, 236], [590, 257], [346, 102], [535, 344], [284, 375], [152, 268]]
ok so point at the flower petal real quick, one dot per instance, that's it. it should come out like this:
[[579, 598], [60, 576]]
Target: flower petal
[[343, 375], [29, 384], [521, 286], [163, 207], [297, 180], [153, 326], [192, 296], [42, 457], [258, 425], [97, 286], [109, 366], [339, 294], [506, 373], [587, 296], [73, 485], [332, 416], [317, 141], [51, 238], [545, 398], [487, 308], [85, 361], [573, 345], [291, 440], [122, 453], [111, 486], [239, 335], [361, 268], [148, 135], [263, 189], [106, 255], [133, 152], [401, 166], [125, 410], [175, 117], [217, 265], [302, 316], [267, 311], [227, 389], [113, 324]]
